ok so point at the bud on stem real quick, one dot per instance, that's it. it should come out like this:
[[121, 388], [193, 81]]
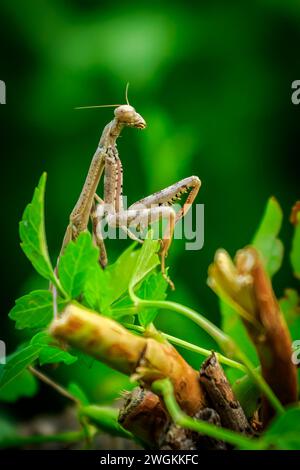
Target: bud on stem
[[247, 287]]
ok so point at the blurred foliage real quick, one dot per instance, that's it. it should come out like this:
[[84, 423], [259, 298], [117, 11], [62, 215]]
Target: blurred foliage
[[213, 82]]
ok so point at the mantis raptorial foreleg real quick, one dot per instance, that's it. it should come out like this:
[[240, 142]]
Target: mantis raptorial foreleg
[[148, 210], [172, 194]]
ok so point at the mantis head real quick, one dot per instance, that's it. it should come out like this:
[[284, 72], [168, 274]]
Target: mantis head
[[127, 115], [124, 113]]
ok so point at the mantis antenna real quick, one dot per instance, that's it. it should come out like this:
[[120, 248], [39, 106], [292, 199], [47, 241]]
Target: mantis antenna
[[107, 105], [126, 93], [99, 106]]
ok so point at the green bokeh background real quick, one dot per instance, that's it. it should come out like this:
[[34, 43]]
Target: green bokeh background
[[212, 79]]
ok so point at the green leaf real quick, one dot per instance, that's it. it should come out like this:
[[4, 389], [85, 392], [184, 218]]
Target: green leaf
[[24, 385], [53, 355], [232, 325], [41, 339], [265, 239], [35, 310], [153, 288], [42, 346], [76, 264], [290, 308], [295, 252], [96, 288], [17, 363], [284, 431], [146, 261], [122, 308], [118, 275], [78, 393], [248, 394], [103, 287], [32, 233], [49, 353]]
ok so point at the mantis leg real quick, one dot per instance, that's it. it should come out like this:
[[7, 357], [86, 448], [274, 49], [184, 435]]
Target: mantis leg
[[130, 234], [167, 197], [152, 208], [172, 194], [98, 199], [143, 218], [81, 213], [97, 235]]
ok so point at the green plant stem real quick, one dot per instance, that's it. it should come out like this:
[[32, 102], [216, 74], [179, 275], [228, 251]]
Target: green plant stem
[[106, 419], [260, 381], [18, 441], [224, 341], [221, 338], [164, 387], [44, 378], [60, 287], [193, 347]]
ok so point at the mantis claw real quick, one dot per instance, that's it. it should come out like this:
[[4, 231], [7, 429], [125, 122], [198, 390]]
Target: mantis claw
[[163, 254]]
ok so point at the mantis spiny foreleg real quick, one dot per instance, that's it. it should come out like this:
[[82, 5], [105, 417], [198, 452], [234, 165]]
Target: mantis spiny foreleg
[[152, 208]]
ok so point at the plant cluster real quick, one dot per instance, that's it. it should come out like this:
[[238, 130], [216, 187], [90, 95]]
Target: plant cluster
[[110, 315]]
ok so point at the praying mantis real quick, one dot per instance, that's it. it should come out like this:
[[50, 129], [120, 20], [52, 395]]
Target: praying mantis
[[142, 213]]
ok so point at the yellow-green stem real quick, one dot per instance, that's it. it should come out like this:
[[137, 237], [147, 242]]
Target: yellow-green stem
[[193, 347]]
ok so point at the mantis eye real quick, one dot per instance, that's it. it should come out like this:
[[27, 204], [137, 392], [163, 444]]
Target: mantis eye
[[125, 113]]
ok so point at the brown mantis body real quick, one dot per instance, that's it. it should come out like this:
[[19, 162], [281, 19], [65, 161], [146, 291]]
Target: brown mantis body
[[140, 214]]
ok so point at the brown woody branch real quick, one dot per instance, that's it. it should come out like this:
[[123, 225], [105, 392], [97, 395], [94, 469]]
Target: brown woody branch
[[221, 396], [144, 414]]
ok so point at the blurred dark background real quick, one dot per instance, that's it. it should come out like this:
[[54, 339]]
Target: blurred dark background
[[212, 79]]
